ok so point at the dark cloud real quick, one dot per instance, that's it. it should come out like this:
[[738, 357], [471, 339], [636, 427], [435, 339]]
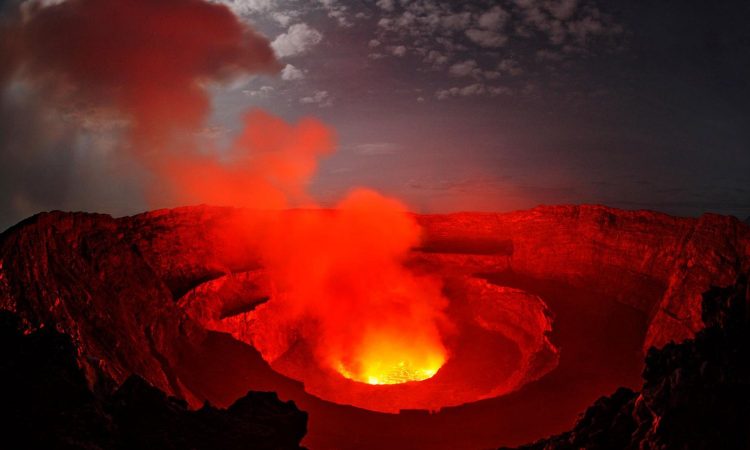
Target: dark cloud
[[147, 59], [35, 160]]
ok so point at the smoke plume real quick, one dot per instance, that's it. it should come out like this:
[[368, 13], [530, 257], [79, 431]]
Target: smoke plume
[[342, 285], [133, 75], [149, 60]]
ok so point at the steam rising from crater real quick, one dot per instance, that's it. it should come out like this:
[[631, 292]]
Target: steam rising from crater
[[376, 321], [338, 275]]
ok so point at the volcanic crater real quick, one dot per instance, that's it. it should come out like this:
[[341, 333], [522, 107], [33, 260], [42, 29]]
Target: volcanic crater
[[498, 342], [550, 308]]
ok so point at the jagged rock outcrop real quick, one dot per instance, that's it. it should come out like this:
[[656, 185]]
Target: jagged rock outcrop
[[47, 404], [79, 274], [121, 288], [696, 394]]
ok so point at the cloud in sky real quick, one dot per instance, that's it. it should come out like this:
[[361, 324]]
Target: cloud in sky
[[246, 7], [377, 148], [399, 51], [298, 39], [509, 66], [387, 5], [494, 18], [291, 73], [321, 98], [487, 38], [472, 90], [463, 68]]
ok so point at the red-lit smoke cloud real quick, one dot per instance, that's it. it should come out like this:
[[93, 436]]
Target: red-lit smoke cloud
[[150, 62], [267, 166], [342, 285]]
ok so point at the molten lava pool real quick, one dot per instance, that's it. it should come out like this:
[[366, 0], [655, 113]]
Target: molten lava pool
[[396, 372]]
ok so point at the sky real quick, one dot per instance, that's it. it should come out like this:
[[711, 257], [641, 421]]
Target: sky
[[452, 106]]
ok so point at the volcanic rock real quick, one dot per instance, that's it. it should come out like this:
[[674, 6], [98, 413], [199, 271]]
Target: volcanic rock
[[47, 404], [77, 273], [654, 262], [696, 394], [226, 297], [131, 292]]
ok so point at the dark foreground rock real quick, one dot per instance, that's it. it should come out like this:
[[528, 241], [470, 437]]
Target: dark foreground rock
[[696, 394], [47, 403]]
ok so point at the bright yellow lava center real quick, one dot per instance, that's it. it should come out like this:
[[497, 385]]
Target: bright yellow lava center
[[390, 360], [402, 372]]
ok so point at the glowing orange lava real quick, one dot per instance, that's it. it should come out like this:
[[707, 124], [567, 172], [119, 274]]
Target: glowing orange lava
[[394, 359]]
